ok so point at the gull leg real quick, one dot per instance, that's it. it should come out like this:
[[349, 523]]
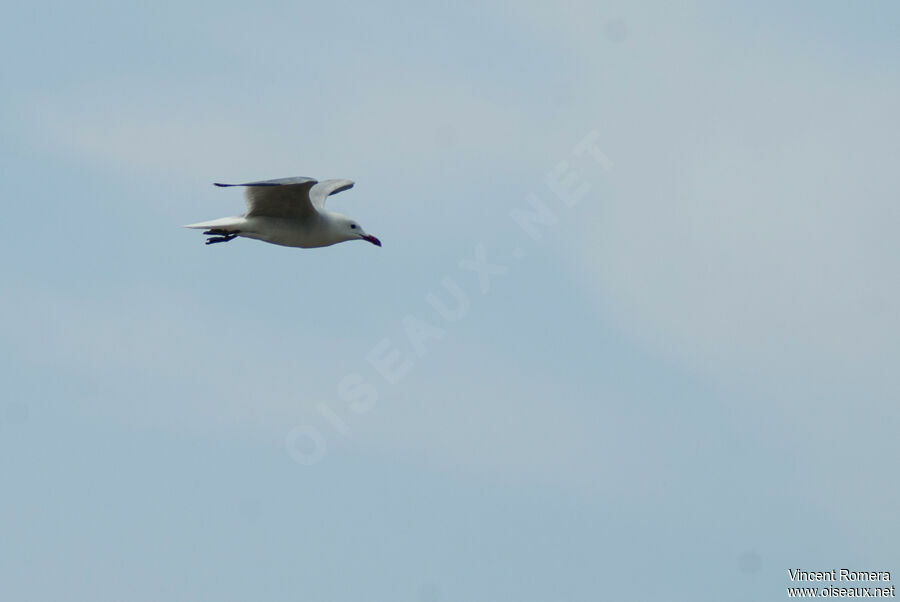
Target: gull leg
[[218, 235]]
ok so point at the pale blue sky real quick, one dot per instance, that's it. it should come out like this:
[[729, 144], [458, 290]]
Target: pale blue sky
[[684, 388]]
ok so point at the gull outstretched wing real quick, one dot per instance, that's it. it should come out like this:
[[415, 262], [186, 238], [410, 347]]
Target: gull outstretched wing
[[320, 191], [284, 197]]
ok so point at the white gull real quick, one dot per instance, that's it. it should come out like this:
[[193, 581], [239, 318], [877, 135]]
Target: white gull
[[288, 212]]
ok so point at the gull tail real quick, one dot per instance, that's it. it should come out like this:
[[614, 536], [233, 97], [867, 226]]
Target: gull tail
[[223, 223]]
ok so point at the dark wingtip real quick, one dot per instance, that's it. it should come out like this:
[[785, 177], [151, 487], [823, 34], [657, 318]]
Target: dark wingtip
[[220, 185]]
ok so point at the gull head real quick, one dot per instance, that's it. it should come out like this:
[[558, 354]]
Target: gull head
[[349, 229]]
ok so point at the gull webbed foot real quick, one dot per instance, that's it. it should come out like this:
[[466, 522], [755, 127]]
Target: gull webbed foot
[[218, 235]]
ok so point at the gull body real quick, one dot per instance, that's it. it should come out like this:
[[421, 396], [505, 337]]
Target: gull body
[[288, 212]]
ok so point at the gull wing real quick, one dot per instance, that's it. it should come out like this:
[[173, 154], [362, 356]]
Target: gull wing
[[284, 197], [320, 191]]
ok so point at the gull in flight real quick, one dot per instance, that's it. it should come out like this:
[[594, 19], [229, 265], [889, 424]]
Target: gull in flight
[[288, 212]]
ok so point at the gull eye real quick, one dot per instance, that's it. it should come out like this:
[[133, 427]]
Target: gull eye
[[353, 226]]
